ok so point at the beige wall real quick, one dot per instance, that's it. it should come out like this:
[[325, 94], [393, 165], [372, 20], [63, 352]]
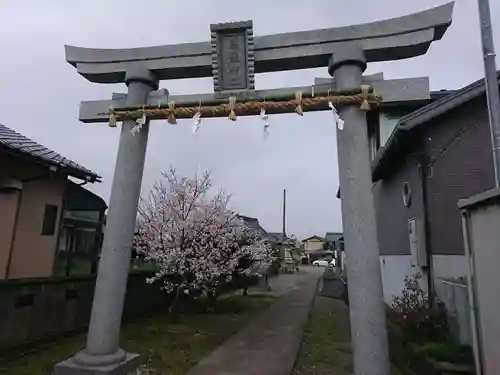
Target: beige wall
[[313, 245], [32, 253]]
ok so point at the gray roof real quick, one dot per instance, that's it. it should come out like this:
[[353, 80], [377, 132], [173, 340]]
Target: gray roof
[[280, 238], [312, 237], [398, 141], [20, 145], [254, 224], [334, 236]]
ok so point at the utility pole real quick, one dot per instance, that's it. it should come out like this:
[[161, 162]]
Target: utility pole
[[284, 214], [491, 82]]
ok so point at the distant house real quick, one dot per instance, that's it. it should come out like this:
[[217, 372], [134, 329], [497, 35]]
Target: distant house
[[254, 224], [334, 240], [278, 238], [313, 247], [47, 222]]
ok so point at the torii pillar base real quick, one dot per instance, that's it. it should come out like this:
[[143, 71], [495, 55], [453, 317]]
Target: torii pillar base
[[71, 367]]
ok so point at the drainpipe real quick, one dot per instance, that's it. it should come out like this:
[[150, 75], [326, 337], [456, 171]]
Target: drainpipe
[[14, 231], [58, 239], [423, 169]]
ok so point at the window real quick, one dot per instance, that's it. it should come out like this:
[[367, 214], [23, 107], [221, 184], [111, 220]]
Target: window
[[49, 220], [387, 124]]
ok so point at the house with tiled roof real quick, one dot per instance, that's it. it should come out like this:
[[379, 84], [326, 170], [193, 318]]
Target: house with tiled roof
[[49, 225]]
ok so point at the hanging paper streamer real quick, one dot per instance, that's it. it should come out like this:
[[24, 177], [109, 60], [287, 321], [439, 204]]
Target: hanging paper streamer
[[112, 118], [265, 118], [139, 123], [196, 121], [298, 100], [143, 118], [365, 93], [171, 117], [232, 102], [338, 121]]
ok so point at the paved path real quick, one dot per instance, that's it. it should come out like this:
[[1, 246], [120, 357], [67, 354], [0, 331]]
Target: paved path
[[270, 343], [285, 283]]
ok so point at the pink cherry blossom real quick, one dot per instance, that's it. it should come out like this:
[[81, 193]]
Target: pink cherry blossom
[[196, 241]]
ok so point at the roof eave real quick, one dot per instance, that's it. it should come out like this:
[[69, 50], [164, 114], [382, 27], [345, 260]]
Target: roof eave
[[87, 177], [73, 172]]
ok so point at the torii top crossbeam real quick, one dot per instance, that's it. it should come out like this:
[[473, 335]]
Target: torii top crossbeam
[[391, 39]]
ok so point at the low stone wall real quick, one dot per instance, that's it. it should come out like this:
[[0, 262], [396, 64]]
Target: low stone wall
[[34, 310]]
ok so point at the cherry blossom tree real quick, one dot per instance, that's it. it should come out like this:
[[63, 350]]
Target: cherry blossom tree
[[196, 241]]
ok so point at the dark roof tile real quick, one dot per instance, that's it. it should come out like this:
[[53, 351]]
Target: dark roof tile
[[16, 142]]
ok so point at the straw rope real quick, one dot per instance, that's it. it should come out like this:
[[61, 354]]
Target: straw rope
[[253, 107]]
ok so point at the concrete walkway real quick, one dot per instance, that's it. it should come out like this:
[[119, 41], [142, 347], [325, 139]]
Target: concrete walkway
[[270, 343], [286, 283]]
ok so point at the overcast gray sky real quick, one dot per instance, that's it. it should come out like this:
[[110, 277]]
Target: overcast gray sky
[[40, 93]]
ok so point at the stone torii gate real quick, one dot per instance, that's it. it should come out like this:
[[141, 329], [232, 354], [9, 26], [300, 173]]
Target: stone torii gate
[[232, 58]]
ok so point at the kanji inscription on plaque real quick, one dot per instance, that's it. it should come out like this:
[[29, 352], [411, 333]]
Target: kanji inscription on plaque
[[233, 56]]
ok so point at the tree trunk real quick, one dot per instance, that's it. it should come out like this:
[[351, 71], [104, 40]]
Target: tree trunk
[[212, 299], [174, 309]]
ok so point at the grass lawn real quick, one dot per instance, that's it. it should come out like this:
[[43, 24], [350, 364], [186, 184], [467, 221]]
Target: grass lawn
[[169, 348], [326, 345]]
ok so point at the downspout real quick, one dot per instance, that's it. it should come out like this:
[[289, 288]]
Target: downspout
[[61, 219], [423, 175], [14, 232]]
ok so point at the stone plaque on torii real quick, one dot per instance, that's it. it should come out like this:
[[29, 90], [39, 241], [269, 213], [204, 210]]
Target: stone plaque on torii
[[232, 57]]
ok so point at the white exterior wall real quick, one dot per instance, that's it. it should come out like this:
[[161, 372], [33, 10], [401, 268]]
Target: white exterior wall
[[449, 266], [394, 269], [448, 269], [445, 268]]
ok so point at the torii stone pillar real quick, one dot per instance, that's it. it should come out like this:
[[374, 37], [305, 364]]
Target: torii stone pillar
[[366, 305], [102, 353]]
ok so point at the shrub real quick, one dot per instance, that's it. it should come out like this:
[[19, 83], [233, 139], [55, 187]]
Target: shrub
[[414, 314]]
